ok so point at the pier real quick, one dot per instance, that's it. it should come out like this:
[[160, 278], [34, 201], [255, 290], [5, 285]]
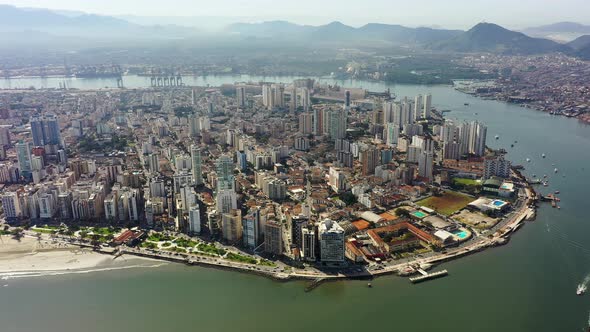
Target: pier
[[428, 276], [314, 284]]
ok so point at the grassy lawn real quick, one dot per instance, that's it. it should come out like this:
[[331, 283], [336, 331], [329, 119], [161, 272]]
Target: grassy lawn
[[185, 243], [149, 245], [241, 258], [44, 230], [104, 231], [210, 249], [157, 237], [447, 204], [265, 262], [176, 249], [466, 182]]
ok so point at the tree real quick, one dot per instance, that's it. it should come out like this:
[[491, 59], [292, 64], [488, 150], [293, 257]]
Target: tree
[[95, 240], [402, 212], [17, 234], [348, 198]]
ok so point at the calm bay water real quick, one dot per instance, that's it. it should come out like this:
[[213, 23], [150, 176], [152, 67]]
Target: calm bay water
[[527, 285]]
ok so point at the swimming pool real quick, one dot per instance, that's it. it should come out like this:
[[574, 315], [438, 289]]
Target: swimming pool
[[498, 203], [419, 214], [461, 234]]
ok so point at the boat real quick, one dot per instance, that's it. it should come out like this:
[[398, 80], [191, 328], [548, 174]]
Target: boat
[[543, 155], [545, 184], [557, 192], [555, 170], [534, 175], [466, 104], [545, 176], [515, 142], [497, 137], [528, 160], [369, 285], [511, 145], [581, 289]]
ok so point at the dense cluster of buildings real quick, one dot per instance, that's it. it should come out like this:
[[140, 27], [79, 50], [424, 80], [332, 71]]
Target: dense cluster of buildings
[[283, 169], [553, 83]]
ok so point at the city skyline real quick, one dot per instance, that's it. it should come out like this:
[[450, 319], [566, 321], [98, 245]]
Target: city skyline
[[451, 14]]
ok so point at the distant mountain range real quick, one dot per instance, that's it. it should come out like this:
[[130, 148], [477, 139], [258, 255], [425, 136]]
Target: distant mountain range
[[581, 46], [484, 37], [337, 31], [562, 31], [488, 37], [19, 26], [73, 24]]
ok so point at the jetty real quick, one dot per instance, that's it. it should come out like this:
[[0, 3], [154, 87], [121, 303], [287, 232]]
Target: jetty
[[314, 284], [428, 276]]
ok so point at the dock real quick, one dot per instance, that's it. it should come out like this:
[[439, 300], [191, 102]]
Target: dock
[[428, 276], [314, 284]]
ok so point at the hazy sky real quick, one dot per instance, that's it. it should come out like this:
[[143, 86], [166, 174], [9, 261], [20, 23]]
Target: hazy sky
[[448, 13]]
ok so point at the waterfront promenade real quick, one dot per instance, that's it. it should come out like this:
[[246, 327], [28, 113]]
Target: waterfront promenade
[[280, 271]]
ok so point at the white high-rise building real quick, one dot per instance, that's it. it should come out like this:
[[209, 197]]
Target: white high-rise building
[[496, 166], [331, 236], [427, 106], [241, 96], [305, 99], [418, 107], [338, 121], [5, 135], [182, 179], [477, 138], [194, 125], [153, 163], [227, 200], [425, 165], [231, 225], [449, 133], [336, 180], [426, 144], [194, 219], [305, 123], [11, 205], [46, 206], [110, 207], [197, 165], [413, 154], [406, 116], [452, 150], [392, 133], [308, 244], [183, 163], [251, 223]]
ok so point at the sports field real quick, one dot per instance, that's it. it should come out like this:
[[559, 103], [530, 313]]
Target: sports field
[[447, 204]]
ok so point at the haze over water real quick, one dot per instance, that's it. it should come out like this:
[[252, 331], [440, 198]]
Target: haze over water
[[527, 285]]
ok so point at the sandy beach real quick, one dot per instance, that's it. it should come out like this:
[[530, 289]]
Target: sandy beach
[[32, 256]]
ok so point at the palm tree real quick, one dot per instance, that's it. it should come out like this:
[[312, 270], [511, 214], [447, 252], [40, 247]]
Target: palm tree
[[95, 240], [17, 234]]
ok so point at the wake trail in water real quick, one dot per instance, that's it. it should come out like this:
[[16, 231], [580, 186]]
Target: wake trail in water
[[36, 274]]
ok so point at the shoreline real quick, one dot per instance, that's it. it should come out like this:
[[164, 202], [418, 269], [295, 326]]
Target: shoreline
[[29, 257], [32, 257], [581, 117]]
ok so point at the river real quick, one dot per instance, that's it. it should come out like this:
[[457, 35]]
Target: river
[[527, 285]]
